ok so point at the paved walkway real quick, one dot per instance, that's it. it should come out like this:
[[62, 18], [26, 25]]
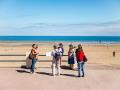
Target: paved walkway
[[21, 79]]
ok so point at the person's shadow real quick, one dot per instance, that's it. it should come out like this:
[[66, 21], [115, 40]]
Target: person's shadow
[[22, 71], [44, 73], [65, 67], [69, 75], [49, 74]]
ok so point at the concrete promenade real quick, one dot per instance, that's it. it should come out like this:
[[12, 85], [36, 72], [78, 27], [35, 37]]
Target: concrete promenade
[[95, 79]]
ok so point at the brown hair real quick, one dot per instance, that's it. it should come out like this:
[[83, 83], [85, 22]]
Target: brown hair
[[33, 45], [71, 46], [55, 46], [60, 44], [80, 47]]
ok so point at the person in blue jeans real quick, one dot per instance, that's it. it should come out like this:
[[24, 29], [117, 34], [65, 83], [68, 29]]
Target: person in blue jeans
[[80, 61], [33, 65], [81, 69], [33, 56]]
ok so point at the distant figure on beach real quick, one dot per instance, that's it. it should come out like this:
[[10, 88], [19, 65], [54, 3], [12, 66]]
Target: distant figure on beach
[[114, 53], [33, 56], [71, 61], [80, 60], [56, 61], [61, 49]]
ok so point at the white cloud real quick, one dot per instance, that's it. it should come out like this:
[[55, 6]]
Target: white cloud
[[102, 29]]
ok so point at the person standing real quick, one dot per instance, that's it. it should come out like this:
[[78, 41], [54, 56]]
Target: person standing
[[56, 61], [71, 61], [61, 49], [80, 61], [33, 56]]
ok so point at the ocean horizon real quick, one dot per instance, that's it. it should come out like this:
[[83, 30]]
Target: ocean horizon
[[114, 39]]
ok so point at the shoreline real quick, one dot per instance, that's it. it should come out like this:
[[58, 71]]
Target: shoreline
[[64, 42], [81, 39]]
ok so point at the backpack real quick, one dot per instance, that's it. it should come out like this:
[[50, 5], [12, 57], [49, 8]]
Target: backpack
[[31, 56], [57, 55], [85, 59], [62, 50]]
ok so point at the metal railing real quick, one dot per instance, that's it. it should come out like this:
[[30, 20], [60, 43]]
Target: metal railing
[[3, 55]]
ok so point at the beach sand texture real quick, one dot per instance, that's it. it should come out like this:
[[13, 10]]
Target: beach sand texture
[[97, 54]]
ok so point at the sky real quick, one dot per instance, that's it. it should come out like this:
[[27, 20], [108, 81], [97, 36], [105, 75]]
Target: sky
[[60, 17]]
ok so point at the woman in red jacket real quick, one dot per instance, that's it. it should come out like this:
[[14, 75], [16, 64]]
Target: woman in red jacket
[[80, 60]]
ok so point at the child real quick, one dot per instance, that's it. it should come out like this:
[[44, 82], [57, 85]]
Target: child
[[56, 61]]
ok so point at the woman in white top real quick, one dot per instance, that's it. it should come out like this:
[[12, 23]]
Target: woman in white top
[[56, 60]]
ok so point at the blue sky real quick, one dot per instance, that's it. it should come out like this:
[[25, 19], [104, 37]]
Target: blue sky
[[60, 17]]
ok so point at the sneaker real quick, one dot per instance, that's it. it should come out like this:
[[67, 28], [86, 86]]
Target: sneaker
[[82, 76], [79, 76], [53, 74], [32, 72], [58, 74]]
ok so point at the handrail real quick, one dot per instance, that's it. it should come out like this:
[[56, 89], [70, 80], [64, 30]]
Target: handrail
[[20, 55], [24, 60]]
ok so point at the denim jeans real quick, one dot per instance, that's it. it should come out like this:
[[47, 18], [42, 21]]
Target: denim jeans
[[33, 65], [80, 68]]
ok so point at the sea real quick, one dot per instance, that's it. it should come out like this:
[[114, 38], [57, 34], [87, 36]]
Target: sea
[[97, 39]]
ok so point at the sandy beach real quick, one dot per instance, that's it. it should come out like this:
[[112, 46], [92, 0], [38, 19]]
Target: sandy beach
[[99, 55], [101, 68]]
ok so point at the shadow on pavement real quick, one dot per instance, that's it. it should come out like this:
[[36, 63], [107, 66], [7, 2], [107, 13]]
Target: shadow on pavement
[[22, 71], [44, 73], [65, 67], [69, 75], [24, 67]]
